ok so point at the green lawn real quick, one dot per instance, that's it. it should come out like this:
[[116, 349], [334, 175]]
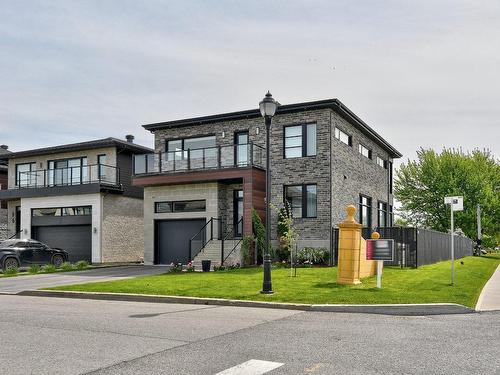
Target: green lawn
[[426, 284]]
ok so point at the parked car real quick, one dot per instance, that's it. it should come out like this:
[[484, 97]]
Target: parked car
[[15, 253]]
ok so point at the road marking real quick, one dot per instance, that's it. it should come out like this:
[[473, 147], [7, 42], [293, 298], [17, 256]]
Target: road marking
[[251, 367]]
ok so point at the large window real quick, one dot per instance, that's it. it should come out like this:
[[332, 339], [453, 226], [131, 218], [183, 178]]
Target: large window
[[177, 148], [180, 206], [390, 177], [300, 140], [365, 211], [68, 172], [343, 137], [302, 200], [62, 211], [24, 177], [365, 151], [382, 215]]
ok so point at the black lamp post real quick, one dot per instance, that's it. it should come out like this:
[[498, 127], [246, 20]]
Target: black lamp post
[[267, 108]]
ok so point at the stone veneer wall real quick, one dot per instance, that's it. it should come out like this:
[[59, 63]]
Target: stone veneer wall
[[327, 169], [3, 224], [122, 229]]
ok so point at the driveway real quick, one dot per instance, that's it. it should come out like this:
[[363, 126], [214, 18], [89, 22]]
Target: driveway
[[13, 285]]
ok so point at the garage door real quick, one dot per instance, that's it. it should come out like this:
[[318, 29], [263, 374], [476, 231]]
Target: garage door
[[172, 239], [75, 239]]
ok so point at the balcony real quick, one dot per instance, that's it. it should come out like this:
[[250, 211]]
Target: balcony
[[202, 159], [70, 176]]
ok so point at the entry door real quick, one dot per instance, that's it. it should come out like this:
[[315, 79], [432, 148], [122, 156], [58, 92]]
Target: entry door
[[241, 142], [238, 212]]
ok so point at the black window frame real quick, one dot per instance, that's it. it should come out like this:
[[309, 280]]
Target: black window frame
[[390, 177], [369, 210], [384, 162], [182, 139], [349, 137], [32, 165], [303, 146], [304, 199], [382, 208], [62, 212], [370, 153], [172, 205]]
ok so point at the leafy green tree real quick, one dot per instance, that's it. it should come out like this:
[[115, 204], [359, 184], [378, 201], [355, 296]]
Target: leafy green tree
[[421, 185]]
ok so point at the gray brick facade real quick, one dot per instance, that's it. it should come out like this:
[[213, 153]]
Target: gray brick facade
[[340, 172]]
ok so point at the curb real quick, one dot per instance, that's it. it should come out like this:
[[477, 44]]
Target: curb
[[396, 309]]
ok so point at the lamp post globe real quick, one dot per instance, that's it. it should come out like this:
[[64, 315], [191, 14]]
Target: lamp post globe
[[267, 109]]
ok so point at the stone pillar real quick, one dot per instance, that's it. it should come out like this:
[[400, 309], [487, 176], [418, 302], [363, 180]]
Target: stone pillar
[[352, 263]]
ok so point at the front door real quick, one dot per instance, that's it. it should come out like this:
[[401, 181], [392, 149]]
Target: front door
[[241, 145], [238, 212]]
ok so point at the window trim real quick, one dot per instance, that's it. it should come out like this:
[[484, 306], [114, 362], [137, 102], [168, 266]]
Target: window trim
[[370, 153], [304, 199], [370, 208], [303, 145], [172, 205], [386, 211], [182, 139], [62, 210], [384, 162], [349, 137], [30, 163]]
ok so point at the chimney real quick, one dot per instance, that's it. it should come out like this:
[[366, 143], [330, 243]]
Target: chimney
[[129, 138], [5, 147]]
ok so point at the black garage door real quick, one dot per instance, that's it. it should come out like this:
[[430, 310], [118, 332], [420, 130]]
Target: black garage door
[[172, 239], [75, 239]]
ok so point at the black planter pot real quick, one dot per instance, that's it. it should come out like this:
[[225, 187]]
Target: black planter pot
[[205, 265]]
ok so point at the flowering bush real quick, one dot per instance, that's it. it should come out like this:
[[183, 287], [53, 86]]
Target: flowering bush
[[175, 267], [190, 267]]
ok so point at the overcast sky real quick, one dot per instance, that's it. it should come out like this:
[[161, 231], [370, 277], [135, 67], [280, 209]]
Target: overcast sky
[[421, 73]]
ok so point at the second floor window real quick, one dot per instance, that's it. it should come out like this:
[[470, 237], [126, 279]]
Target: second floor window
[[343, 137], [300, 140], [24, 175], [381, 162], [302, 200], [365, 151], [69, 172], [365, 211]]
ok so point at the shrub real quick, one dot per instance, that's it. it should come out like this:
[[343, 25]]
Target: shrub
[[49, 268], [67, 266], [190, 267], [234, 266], [34, 269], [11, 272], [260, 232], [313, 255], [82, 265], [246, 245], [219, 268], [175, 267]]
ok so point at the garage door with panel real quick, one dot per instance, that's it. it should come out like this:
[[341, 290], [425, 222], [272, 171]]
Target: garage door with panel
[[68, 228], [172, 239]]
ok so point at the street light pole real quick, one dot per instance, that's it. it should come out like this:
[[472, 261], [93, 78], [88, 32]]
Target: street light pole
[[267, 109]]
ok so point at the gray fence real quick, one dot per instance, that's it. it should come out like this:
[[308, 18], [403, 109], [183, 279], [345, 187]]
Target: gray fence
[[415, 247]]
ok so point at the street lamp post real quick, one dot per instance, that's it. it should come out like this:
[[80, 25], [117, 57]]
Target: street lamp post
[[267, 108]]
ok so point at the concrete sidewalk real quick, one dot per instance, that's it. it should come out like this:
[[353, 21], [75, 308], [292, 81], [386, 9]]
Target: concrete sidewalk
[[490, 296]]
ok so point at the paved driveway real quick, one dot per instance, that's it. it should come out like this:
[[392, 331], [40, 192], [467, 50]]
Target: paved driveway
[[13, 285]]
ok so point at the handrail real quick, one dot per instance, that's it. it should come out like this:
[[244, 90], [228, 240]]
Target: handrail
[[15, 234], [224, 258], [205, 240]]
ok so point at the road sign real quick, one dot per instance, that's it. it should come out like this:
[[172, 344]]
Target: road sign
[[381, 249], [457, 203]]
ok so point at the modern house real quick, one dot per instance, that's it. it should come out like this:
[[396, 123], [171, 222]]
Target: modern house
[[207, 173], [78, 197], [4, 149]]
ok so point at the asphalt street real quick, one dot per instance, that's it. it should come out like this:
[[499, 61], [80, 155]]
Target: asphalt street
[[18, 284], [69, 336]]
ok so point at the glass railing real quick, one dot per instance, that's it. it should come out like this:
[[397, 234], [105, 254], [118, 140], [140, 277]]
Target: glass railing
[[87, 174], [232, 156]]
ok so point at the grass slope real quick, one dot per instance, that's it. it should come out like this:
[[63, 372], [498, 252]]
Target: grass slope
[[426, 284]]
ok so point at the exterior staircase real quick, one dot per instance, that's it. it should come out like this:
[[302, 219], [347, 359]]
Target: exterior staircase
[[212, 251]]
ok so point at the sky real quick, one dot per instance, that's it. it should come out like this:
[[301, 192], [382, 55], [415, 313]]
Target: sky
[[421, 73]]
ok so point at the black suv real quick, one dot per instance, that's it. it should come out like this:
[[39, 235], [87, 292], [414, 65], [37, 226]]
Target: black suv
[[15, 253]]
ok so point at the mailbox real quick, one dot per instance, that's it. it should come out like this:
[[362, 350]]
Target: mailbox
[[380, 249]]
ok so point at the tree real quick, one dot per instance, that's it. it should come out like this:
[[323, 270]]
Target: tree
[[421, 185]]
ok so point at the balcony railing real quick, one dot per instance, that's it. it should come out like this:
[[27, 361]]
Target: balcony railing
[[87, 174], [220, 157]]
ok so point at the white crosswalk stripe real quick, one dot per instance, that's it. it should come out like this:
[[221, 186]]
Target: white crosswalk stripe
[[251, 367]]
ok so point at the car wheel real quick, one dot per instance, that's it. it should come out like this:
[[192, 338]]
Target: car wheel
[[57, 260], [10, 264]]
